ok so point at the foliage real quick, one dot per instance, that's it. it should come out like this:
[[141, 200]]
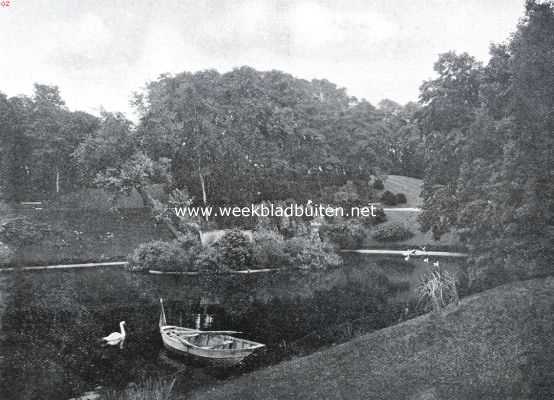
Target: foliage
[[165, 256], [437, 289], [488, 138], [379, 218], [388, 198], [401, 198], [38, 135], [378, 184], [209, 259], [345, 235], [245, 136], [392, 233], [310, 252], [236, 250], [268, 249]]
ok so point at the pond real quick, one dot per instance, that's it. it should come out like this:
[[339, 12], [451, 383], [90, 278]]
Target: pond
[[52, 321]]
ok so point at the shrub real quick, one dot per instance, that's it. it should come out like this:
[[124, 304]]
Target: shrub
[[268, 249], [379, 218], [388, 198], [209, 260], [163, 256], [401, 198], [305, 252], [349, 235], [378, 184], [236, 250], [392, 232], [437, 289]]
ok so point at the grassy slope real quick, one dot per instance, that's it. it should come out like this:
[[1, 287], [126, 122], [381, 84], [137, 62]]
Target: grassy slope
[[495, 345], [411, 187], [88, 235]]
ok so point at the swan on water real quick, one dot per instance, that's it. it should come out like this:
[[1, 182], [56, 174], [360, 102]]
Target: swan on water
[[436, 264], [116, 337]]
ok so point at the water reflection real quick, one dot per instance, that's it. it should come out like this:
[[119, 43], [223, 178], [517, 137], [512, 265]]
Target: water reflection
[[53, 321]]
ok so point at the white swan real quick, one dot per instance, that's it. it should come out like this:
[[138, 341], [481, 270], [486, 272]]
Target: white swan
[[115, 337]]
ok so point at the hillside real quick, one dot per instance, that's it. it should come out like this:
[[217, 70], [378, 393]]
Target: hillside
[[494, 345], [411, 187]]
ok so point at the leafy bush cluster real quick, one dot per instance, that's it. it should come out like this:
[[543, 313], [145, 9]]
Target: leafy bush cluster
[[378, 184], [390, 199], [176, 255], [309, 252], [351, 234], [269, 249], [392, 232], [235, 251], [347, 235]]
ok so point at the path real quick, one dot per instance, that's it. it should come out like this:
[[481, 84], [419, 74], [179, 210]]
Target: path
[[66, 266], [411, 253]]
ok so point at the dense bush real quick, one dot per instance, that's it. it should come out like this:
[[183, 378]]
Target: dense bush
[[346, 235], [401, 198], [388, 198], [164, 256], [209, 259], [310, 252], [379, 218], [392, 232], [378, 184], [236, 250], [269, 250]]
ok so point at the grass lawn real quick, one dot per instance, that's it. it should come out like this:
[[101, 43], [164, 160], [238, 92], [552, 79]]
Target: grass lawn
[[495, 345], [74, 235], [411, 187]]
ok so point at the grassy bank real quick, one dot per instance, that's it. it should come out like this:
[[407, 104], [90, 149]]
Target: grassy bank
[[86, 235], [494, 345]]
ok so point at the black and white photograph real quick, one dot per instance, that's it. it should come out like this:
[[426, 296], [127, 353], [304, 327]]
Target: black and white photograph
[[276, 199]]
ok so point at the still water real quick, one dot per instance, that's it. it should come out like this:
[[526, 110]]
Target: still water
[[52, 321]]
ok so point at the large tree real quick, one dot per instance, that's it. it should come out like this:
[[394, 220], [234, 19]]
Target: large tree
[[490, 147]]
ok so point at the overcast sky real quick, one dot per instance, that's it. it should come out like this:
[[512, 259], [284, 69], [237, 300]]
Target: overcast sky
[[98, 52]]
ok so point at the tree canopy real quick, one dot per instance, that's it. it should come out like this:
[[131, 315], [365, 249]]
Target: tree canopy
[[489, 146]]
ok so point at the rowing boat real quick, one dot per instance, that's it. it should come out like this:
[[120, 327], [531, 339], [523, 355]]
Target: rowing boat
[[216, 347]]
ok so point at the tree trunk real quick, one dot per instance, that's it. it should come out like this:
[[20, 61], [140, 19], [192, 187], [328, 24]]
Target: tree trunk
[[149, 202], [203, 186], [57, 180]]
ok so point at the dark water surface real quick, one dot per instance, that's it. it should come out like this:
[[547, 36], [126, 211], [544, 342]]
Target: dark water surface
[[52, 321]]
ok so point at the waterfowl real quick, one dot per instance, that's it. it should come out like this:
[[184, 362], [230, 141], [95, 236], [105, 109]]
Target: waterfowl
[[115, 337]]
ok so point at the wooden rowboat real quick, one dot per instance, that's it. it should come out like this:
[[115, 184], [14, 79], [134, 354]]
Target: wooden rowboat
[[215, 347]]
